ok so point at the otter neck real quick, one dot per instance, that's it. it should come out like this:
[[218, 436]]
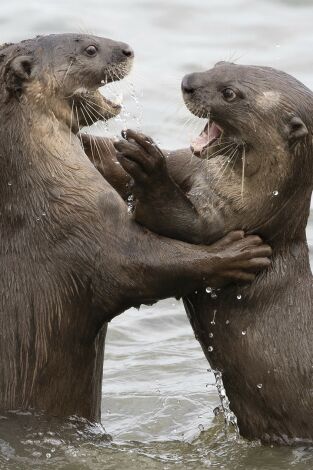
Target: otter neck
[[36, 155], [287, 220], [275, 207]]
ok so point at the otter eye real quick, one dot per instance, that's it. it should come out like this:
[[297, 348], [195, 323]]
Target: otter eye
[[229, 94], [91, 50]]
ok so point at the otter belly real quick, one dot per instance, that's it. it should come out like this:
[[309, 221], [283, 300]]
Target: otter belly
[[262, 343]]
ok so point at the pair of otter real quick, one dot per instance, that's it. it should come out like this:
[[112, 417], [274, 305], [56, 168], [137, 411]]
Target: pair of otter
[[72, 258], [251, 168]]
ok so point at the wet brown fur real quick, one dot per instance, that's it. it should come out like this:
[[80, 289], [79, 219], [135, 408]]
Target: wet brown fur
[[71, 257], [259, 336]]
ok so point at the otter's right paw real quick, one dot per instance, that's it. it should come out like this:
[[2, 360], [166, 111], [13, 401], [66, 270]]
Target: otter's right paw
[[240, 257], [142, 159]]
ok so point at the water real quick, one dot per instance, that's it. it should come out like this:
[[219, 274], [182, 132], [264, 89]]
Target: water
[[158, 397]]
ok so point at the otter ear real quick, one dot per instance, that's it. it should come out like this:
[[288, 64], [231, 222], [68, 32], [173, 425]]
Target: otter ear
[[223, 62], [18, 71], [21, 67], [296, 129]]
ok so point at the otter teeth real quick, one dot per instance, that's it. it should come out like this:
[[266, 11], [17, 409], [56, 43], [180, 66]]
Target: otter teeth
[[208, 136], [119, 99]]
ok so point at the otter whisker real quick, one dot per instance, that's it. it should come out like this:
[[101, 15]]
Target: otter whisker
[[104, 142], [243, 169], [223, 152], [95, 105], [71, 121], [253, 121], [95, 114], [225, 165], [232, 159], [67, 71], [97, 149], [219, 151], [80, 138], [89, 135], [224, 162]]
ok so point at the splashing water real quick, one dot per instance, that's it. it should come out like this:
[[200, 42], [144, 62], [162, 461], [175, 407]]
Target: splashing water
[[230, 418]]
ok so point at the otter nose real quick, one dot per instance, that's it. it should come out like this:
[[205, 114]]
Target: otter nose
[[187, 84], [127, 51]]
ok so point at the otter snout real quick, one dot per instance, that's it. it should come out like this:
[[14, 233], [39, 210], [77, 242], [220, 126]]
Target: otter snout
[[123, 52], [187, 84], [192, 81], [127, 51]]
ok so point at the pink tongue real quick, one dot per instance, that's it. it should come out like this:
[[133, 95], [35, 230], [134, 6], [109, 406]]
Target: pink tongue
[[208, 135]]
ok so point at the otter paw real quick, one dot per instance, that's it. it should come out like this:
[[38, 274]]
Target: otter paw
[[141, 158]]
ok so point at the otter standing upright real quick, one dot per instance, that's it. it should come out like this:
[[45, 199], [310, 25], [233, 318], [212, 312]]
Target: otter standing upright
[[71, 257], [256, 174]]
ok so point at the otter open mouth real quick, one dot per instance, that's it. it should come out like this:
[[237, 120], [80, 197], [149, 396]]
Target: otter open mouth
[[210, 134], [92, 106]]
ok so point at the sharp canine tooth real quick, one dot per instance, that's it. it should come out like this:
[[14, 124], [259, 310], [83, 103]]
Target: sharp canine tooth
[[119, 99]]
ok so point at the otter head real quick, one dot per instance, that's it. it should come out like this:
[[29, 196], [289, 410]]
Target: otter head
[[258, 111], [61, 73]]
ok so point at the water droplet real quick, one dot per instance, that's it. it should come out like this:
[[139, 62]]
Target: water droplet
[[210, 348], [214, 295], [227, 322], [9, 183], [243, 333], [208, 290], [259, 386], [213, 319], [37, 218], [130, 204], [36, 454], [201, 427], [48, 456], [44, 214], [211, 335], [209, 370], [275, 193], [239, 296]]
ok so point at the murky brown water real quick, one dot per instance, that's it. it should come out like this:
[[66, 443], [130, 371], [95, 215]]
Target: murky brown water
[[158, 397]]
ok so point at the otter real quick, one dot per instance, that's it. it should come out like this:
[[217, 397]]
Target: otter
[[251, 168], [71, 257]]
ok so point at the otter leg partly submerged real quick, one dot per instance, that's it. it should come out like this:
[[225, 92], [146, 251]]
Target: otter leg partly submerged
[[253, 165], [71, 257]]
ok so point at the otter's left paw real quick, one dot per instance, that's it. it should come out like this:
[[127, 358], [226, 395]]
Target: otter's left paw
[[142, 159]]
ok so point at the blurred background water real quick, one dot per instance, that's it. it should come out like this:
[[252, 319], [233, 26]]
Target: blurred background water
[[158, 397]]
